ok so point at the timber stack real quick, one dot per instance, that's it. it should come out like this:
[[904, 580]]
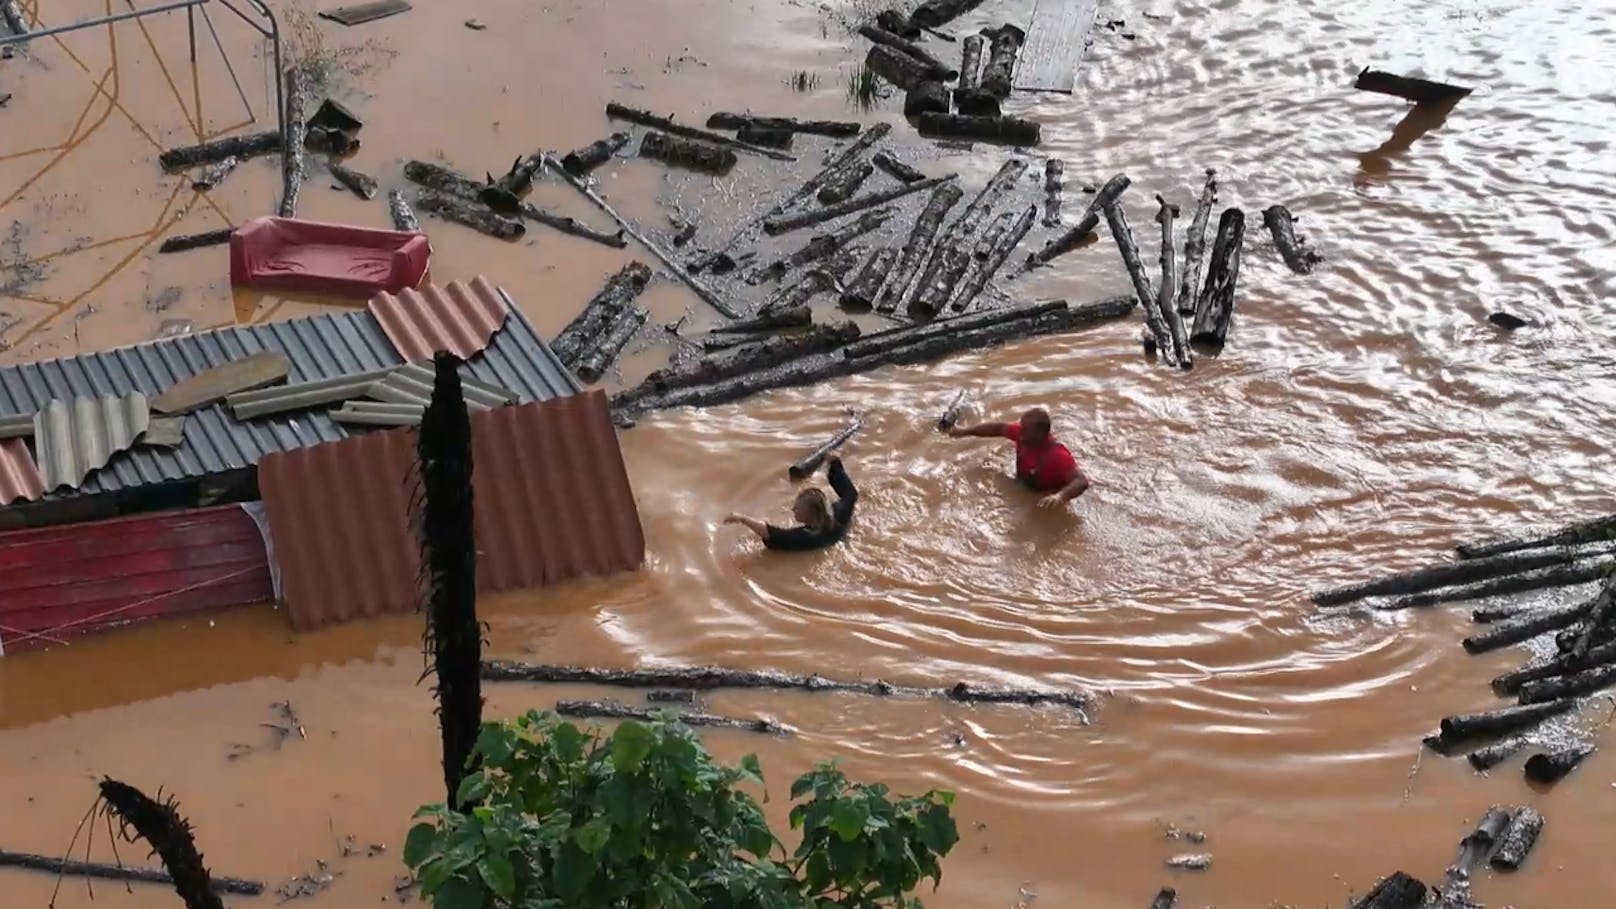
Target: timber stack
[[1573, 637]]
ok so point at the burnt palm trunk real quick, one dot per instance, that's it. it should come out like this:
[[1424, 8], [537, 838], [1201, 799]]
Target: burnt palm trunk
[[453, 638], [160, 824]]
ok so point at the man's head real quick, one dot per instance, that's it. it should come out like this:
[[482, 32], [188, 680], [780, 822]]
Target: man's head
[[1035, 428]]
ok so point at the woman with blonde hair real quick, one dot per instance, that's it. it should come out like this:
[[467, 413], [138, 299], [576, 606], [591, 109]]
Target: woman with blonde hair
[[819, 523]]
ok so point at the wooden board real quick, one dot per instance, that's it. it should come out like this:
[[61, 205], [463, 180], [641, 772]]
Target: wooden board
[[254, 371], [1057, 38], [360, 13]]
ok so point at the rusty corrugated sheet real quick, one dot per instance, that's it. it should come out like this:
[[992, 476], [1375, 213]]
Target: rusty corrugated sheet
[[552, 503], [19, 475], [74, 438], [459, 318]]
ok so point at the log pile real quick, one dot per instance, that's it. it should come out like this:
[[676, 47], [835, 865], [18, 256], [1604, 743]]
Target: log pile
[[1579, 639], [608, 321]]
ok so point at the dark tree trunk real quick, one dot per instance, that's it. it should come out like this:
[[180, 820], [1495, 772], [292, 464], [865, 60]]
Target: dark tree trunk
[[399, 208], [242, 147], [774, 321], [998, 75], [897, 23], [1169, 278], [1195, 246], [971, 50], [919, 244], [805, 467], [1587, 531], [1563, 665], [1541, 579], [452, 640], [1599, 617], [581, 161], [1523, 629], [1484, 759], [780, 224], [470, 214], [1215, 309], [234, 885], [646, 118], [926, 98], [900, 171], [1072, 239], [1524, 828], [1578, 684], [833, 128], [505, 194], [1501, 721], [938, 13], [1054, 183], [1399, 891], [1005, 130], [697, 156], [1552, 766], [169, 835], [618, 333], [953, 250], [1282, 224], [292, 154], [938, 69], [1420, 91], [196, 241], [897, 67], [215, 174], [821, 246], [584, 331], [1462, 572], [861, 292], [764, 354], [842, 187], [614, 711], [766, 138], [1120, 232], [362, 185], [999, 248]]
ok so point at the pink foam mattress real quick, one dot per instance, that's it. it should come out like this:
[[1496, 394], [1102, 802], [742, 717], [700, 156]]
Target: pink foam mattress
[[315, 257]]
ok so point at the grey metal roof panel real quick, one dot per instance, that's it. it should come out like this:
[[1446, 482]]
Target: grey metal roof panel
[[319, 347], [77, 437]]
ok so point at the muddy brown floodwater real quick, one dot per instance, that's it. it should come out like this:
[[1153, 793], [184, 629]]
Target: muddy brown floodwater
[[1364, 416]]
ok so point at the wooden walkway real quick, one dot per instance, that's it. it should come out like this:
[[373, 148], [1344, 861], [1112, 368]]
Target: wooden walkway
[[1057, 37]]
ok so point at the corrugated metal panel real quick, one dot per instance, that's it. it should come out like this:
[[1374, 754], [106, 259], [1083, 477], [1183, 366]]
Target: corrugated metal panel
[[17, 426], [76, 437], [459, 318], [412, 384], [19, 475], [374, 413], [552, 503], [60, 582], [319, 347]]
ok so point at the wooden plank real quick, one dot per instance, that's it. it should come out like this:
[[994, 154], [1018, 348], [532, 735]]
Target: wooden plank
[[254, 371], [1057, 38], [361, 13]]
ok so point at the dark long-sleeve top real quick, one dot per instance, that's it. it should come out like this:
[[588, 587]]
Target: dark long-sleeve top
[[802, 538]]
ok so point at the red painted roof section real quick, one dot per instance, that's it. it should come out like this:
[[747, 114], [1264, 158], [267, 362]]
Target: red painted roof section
[[459, 318], [60, 582], [552, 503], [19, 475]]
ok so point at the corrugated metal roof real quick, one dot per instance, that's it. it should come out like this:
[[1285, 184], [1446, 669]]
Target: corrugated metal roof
[[17, 426], [459, 318], [73, 438], [319, 347], [60, 582], [412, 384], [552, 503], [19, 475]]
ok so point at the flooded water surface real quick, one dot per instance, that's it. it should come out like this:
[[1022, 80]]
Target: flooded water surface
[[1364, 418]]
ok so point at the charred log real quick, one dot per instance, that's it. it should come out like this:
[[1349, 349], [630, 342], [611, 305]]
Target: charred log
[[1004, 45], [1010, 230], [764, 354], [1525, 628], [196, 241], [1159, 335], [898, 24], [766, 138], [1215, 309], [897, 67], [505, 194], [834, 128], [612, 710], [971, 51], [1463, 572], [292, 155], [1555, 667], [1195, 247], [804, 467], [1282, 224], [1398, 891], [1054, 183], [362, 185], [240, 147], [1072, 239], [951, 413], [1553, 766], [465, 212], [581, 161], [215, 174], [774, 321], [1587, 531], [780, 224], [1524, 828], [930, 97], [1542, 579], [1420, 91], [646, 118], [1484, 759], [937, 69], [1003, 130], [618, 333], [843, 185], [862, 291], [399, 209], [583, 332], [822, 246], [697, 156], [9, 859], [952, 255], [938, 13], [919, 244], [1599, 618], [1568, 686], [1502, 721], [1169, 276], [902, 172]]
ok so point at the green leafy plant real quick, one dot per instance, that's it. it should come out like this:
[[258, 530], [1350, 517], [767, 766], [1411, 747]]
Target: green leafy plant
[[644, 818]]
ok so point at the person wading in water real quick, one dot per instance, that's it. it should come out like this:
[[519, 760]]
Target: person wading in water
[[1042, 463], [820, 524]]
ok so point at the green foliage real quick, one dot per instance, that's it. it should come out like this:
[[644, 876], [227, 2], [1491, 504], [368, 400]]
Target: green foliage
[[644, 818]]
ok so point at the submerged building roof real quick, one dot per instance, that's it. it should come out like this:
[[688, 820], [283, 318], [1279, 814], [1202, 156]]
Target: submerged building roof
[[319, 347]]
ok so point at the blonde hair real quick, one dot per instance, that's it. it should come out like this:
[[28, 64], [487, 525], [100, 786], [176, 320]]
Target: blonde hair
[[813, 501]]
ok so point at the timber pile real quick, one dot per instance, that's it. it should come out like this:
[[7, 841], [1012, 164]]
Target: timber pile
[[593, 339], [1576, 643]]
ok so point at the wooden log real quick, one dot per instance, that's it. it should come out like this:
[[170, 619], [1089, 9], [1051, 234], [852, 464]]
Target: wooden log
[[931, 97], [707, 294], [659, 696], [581, 161], [1214, 311], [1562, 665], [242, 148], [399, 209], [1552, 766], [1566, 641], [1169, 278], [1604, 609], [897, 67], [12, 16], [666, 125], [977, 103], [898, 24], [504, 194], [1004, 43], [1072, 239], [362, 185], [1565, 575], [919, 244], [933, 347], [1501, 721], [766, 138], [971, 50], [1420, 91], [1473, 849], [938, 13], [1396, 891], [821, 246], [768, 353], [617, 295], [611, 710], [712, 678], [900, 171], [1525, 628], [1577, 684], [1004, 130], [804, 467], [952, 252], [779, 224], [893, 338], [196, 241], [1054, 183], [1118, 222], [330, 142], [464, 212], [1195, 247], [836, 129], [1282, 224], [292, 155], [1461, 572], [774, 321], [797, 294], [679, 152], [215, 174], [845, 184], [1166, 898], [1525, 825], [861, 292], [1484, 759], [937, 69], [9, 859], [1009, 230], [618, 333], [1585, 531], [951, 413]]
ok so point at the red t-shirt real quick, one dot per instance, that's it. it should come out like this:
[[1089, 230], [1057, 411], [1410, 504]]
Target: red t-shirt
[[1048, 467]]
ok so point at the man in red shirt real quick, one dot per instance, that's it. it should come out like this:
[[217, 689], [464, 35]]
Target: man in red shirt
[[1041, 462]]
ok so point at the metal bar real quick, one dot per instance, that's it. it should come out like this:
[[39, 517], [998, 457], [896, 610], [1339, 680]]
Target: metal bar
[[104, 20], [229, 68], [190, 28], [246, 18]]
